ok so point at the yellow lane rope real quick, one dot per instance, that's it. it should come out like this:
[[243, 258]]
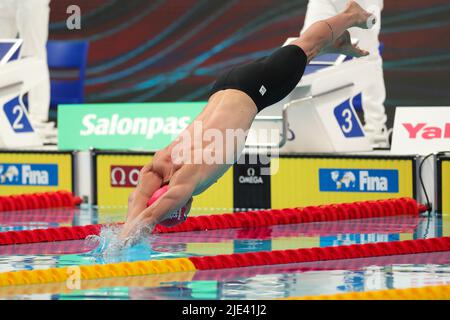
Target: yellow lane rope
[[123, 269], [151, 281], [421, 293]]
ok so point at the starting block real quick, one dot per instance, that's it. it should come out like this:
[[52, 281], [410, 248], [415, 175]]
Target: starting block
[[17, 77], [319, 114]]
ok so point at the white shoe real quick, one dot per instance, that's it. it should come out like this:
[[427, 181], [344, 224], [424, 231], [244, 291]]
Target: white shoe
[[51, 141], [47, 133], [43, 125], [39, 123], [378, 137], [45, 130]]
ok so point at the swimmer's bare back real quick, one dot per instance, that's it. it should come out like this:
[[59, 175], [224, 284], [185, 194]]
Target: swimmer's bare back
[[228, 114]]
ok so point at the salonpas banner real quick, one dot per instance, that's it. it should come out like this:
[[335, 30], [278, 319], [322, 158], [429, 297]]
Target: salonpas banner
[[146, 126]]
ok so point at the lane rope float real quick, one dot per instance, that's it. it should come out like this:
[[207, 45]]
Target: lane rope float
[[44, 200], [441, 292], [250, 219], [276, 257], [89, 272], [389, 225]]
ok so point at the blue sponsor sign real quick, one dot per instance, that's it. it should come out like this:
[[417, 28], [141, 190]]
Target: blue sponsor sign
[[358, 180], [252, 245], [17, 117], [349, 239], [15, 174], [347, 120]]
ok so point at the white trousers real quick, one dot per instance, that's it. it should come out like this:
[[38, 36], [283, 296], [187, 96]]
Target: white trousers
[[374, 96], [29, 19]]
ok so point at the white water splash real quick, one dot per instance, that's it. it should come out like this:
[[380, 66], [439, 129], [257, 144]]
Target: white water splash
[[109, 243]]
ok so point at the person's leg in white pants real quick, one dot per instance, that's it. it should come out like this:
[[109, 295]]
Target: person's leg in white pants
[[375, 95], [32, 18], [8, 25]]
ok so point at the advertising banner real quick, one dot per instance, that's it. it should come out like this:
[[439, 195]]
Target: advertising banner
[[118, 126], [116, 175], [315, 180], [443, 192], [421, 130], [29, 172], [298, 181]]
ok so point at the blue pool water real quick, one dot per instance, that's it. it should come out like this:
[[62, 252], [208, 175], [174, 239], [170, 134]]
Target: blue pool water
[[265, 282]]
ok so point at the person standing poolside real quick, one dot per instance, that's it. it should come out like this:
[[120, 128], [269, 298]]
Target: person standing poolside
[[29, 19], [373, 96]]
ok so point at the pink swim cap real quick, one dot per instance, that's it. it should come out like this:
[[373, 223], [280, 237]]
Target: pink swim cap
[[176, 217]]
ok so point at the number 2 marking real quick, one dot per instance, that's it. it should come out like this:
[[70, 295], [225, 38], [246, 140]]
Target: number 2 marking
[[17, 125]]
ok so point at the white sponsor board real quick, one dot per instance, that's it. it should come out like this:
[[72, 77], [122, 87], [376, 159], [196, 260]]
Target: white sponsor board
[[421, 130]]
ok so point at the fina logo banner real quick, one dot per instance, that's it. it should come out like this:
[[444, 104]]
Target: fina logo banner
[[13, 174], [358, 180]]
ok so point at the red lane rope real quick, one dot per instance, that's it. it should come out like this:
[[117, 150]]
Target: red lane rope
[[349, 264], [43, 200], [386, 225], [321, 254], [441, 257], [250, 219], [398, 224], [48, 235], [48, 248], [262, 218], [42, 215]]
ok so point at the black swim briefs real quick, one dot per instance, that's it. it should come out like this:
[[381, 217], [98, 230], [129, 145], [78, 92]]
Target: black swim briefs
[[267, 80]]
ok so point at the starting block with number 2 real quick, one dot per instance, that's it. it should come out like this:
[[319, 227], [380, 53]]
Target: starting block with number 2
[[16, 79]]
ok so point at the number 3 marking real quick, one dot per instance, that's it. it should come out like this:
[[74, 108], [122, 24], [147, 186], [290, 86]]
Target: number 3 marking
[[17, 125], [347, 114]]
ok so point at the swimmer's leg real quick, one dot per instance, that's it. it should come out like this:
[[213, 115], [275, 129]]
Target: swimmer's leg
[[322, 35]]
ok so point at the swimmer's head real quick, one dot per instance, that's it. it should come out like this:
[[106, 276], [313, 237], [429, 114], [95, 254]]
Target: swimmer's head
[[173, 218]]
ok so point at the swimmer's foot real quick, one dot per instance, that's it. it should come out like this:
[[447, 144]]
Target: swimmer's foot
[[343, 45], [362, 18]]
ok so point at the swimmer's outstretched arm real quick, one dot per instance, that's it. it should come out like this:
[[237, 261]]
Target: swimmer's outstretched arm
[[181, 188]]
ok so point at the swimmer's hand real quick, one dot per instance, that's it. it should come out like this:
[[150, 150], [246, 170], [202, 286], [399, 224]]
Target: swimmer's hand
[[107, 242], [134, 233], [148, 183], [179, 193]]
